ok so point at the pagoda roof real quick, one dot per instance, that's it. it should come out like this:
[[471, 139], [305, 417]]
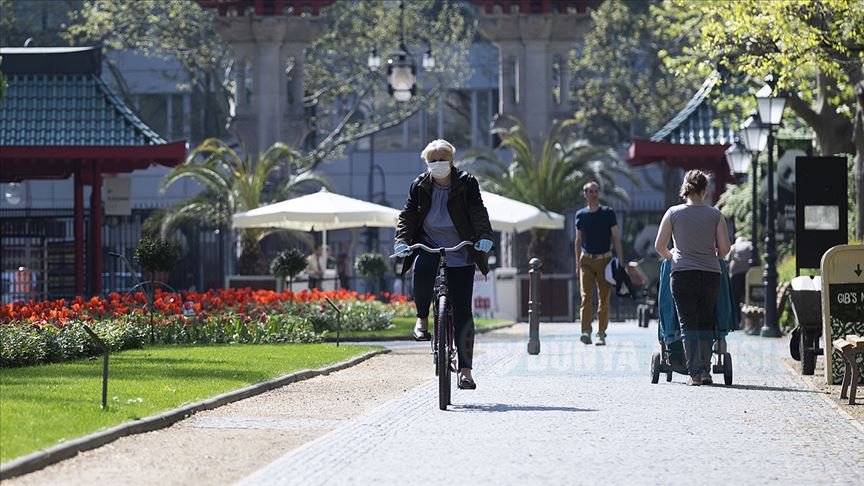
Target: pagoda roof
[[56, 97], [57, 110]]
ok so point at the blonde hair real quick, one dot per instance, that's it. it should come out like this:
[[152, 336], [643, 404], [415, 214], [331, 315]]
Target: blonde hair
[[695, 182], [438, 150]]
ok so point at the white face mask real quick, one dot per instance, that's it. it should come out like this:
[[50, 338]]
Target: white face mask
[[439, 169]]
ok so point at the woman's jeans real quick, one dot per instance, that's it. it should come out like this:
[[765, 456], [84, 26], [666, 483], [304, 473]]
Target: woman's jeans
[[696, 293], [460, 283]]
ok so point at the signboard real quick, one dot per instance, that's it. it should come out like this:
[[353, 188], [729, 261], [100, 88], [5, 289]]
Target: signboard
[[821, 208], [118, 191], [484, 294], [842, 303]]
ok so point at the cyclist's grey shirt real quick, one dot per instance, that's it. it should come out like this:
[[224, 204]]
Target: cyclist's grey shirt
[[693, 234], [439, 230]]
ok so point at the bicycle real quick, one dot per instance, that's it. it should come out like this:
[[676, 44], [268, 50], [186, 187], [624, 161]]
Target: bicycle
[[443, 334]]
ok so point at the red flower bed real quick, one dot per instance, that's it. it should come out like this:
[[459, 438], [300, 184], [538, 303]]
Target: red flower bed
[[59, 312]]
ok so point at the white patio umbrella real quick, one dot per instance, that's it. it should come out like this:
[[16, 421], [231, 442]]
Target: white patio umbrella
[[320, 211], [509, 215]]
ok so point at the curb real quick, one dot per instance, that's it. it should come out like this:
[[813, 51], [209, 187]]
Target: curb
[[375, 339], [827, 399], [40, 459]]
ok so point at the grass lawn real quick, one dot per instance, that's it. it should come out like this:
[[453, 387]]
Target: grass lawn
[[403, 326], [41, 406]]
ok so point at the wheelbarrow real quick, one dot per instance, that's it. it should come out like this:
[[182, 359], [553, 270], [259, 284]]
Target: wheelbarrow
[[806, 299]]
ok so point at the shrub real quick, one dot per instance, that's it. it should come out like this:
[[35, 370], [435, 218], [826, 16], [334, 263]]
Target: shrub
[[288, 264], [25, 344], [157, 255], [371, 265]]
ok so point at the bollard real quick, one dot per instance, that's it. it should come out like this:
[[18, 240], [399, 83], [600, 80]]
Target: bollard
[[534, 306], [101, 345]]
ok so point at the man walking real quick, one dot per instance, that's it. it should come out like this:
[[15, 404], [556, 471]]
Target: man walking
[[316, 262], [596, 231]]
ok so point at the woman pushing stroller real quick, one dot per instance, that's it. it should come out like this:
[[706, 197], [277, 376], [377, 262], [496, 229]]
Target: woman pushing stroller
[[699, 235]]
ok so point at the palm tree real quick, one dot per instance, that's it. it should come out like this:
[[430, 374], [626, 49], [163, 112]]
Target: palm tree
[[233, 184], [551, 178]]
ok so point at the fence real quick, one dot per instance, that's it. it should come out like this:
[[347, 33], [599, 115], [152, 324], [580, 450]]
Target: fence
[[37, 254]]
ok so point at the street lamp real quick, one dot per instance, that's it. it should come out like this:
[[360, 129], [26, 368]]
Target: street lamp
[[738, 158], [401, 66], [771, 111], [754, 134]]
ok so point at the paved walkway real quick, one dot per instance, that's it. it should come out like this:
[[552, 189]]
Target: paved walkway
[[578, 414]]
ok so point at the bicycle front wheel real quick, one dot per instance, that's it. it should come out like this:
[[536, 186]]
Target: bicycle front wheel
[[443, 323]]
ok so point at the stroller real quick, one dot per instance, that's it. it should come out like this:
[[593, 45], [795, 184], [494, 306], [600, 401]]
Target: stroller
[[645, 273], [671, 356]]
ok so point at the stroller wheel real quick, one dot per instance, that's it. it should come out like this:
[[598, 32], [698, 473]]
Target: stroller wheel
[[655, 368], [668, 376], [727, 369]]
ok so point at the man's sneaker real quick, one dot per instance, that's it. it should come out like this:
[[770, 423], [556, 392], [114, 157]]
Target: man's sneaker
[[586, 337], [694, 381], [706, 378], [601, 340]]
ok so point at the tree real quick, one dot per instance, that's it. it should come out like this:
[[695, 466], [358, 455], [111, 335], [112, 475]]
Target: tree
[[624, 90], [233, 184], [550, 179], [814, 50], [338, 82], [175, 30]]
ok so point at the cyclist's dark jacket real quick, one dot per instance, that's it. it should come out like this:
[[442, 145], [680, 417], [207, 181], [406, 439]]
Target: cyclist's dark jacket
[[466, 209]]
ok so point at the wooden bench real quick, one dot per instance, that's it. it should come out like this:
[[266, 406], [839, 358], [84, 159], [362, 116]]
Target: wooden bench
[[849, 348]]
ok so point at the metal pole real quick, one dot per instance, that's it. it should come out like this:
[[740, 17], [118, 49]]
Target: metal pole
[[534, 306], [754, 216], [101, 345], [770, 327]]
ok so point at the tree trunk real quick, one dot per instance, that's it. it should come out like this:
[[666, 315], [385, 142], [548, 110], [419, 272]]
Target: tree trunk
[[252, 260]]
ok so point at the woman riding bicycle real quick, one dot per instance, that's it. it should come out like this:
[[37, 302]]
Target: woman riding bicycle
[[443, 208]]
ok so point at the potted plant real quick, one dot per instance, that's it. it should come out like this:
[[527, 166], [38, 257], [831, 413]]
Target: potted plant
[[157, 257], [288, 264], [374, 266]]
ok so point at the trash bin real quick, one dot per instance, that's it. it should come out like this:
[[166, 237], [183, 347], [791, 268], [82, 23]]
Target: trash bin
[[807, 307]]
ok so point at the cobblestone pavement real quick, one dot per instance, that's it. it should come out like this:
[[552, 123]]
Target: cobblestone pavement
[[578, 414]]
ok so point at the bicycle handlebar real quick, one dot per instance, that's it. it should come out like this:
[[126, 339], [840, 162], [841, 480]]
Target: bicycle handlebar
[[421, 246]]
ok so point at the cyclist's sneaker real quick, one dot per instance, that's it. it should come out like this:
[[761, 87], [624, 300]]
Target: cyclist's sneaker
[[466, 383], [601, 340], [586, 337], [706, 378]]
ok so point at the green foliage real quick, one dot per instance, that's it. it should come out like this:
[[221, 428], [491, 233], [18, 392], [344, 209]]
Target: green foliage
[[23, 344], [338, 82], [552, 178], [624, 88], [356, 316], [156, 255], [233, 184], [371, 264], [814, 50], [176, 30], [240, 328], [288, 263]]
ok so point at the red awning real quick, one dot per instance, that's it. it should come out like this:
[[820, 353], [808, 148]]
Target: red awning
[[48, 162], [708, 158]]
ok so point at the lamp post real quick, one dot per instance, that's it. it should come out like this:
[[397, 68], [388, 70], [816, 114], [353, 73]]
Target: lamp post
[[754, 134], [771, 112]]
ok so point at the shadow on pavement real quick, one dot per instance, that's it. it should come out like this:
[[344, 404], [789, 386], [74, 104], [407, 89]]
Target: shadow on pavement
[[767, 388], [504, 407]]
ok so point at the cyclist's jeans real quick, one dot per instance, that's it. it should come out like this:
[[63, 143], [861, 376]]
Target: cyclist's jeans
[[461, 291]]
